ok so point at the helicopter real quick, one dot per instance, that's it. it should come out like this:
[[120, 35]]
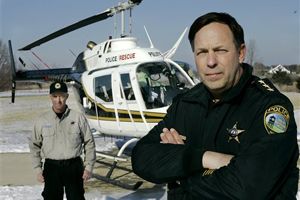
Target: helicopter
[[123, 89]]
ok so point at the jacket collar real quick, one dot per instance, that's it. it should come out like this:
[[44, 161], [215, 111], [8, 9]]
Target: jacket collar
[[205, 97], [67, 111]]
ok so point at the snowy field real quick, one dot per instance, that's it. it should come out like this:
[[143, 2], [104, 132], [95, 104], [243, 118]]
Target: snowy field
[[15, 127], [33, 193]]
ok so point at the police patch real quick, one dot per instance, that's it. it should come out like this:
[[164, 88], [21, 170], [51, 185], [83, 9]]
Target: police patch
[[276, 119]]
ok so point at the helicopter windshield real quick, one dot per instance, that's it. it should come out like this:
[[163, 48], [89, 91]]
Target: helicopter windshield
[[160, 82]]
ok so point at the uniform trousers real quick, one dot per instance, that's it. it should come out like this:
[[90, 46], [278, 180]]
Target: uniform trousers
[[60, 175], [175, 192]]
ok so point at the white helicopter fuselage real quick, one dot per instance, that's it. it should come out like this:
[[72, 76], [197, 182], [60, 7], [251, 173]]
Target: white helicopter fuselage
[[126, 89]]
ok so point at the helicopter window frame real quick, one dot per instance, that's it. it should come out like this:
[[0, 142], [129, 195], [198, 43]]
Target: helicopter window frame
[[103, 88], [107, 47], [79, 66], [127, 87]]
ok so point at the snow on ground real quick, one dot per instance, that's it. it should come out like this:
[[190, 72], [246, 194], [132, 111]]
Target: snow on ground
[[17, 119], [34, 193], [16, 126], [18, 143]]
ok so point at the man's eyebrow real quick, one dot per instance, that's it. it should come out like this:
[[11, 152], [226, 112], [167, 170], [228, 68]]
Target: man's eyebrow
[[201, 49], [205, 49], [219, 47]]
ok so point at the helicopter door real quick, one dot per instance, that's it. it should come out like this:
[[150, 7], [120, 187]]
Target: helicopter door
[[124, 100], [118, 110], [127, 87], [130, 110]]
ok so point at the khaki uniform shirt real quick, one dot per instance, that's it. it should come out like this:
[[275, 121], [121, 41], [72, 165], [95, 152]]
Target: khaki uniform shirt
[[61, 139]]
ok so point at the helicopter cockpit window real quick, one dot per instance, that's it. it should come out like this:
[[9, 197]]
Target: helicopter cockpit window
[[79, 65], [128, 91], [103, 88], [107, 47], [160, 82]]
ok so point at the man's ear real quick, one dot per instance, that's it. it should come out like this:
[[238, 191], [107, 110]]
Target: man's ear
[[242, 53]]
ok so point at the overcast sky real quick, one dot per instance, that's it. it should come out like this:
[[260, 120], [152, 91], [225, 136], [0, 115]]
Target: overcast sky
[[272, 24]]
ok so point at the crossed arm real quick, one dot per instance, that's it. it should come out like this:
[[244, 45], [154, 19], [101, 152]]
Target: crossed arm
[[239, 176], [210, 159]]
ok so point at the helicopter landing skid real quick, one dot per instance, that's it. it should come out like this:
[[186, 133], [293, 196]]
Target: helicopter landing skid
[[112, 166]]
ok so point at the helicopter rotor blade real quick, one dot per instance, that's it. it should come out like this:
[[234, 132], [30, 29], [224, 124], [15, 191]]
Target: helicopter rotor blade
[[90, 20], [75, 26]]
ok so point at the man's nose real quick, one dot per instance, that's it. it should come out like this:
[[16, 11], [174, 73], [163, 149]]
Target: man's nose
[[211, 59]]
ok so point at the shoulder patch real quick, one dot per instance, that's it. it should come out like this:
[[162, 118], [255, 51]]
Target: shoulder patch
[[265, 85], [276, 119]]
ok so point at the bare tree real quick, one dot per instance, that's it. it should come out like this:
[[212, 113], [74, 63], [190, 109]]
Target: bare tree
[[5, 69], [259, 69], [251, 52]]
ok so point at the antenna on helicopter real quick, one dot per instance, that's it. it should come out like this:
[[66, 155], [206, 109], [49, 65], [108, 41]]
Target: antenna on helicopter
[[130, 21], [150, 41], [122, 23], [172, 51]]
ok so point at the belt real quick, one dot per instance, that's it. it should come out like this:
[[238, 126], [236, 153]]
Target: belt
[[63, 162]]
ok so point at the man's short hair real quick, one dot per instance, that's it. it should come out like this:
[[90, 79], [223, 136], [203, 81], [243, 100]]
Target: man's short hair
[[58, 87], [223, 18]]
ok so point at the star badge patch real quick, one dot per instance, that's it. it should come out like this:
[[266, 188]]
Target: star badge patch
[[234, 132]]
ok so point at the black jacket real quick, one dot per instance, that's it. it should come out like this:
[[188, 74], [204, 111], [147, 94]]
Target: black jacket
[[265, 150]]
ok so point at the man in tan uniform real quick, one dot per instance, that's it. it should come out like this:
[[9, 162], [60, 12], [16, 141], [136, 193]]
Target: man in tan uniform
[[59, 136]]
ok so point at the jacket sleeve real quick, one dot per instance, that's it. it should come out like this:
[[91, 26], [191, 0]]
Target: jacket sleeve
[[88, 144], [262, 170], [162, 163], [35, 146]]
